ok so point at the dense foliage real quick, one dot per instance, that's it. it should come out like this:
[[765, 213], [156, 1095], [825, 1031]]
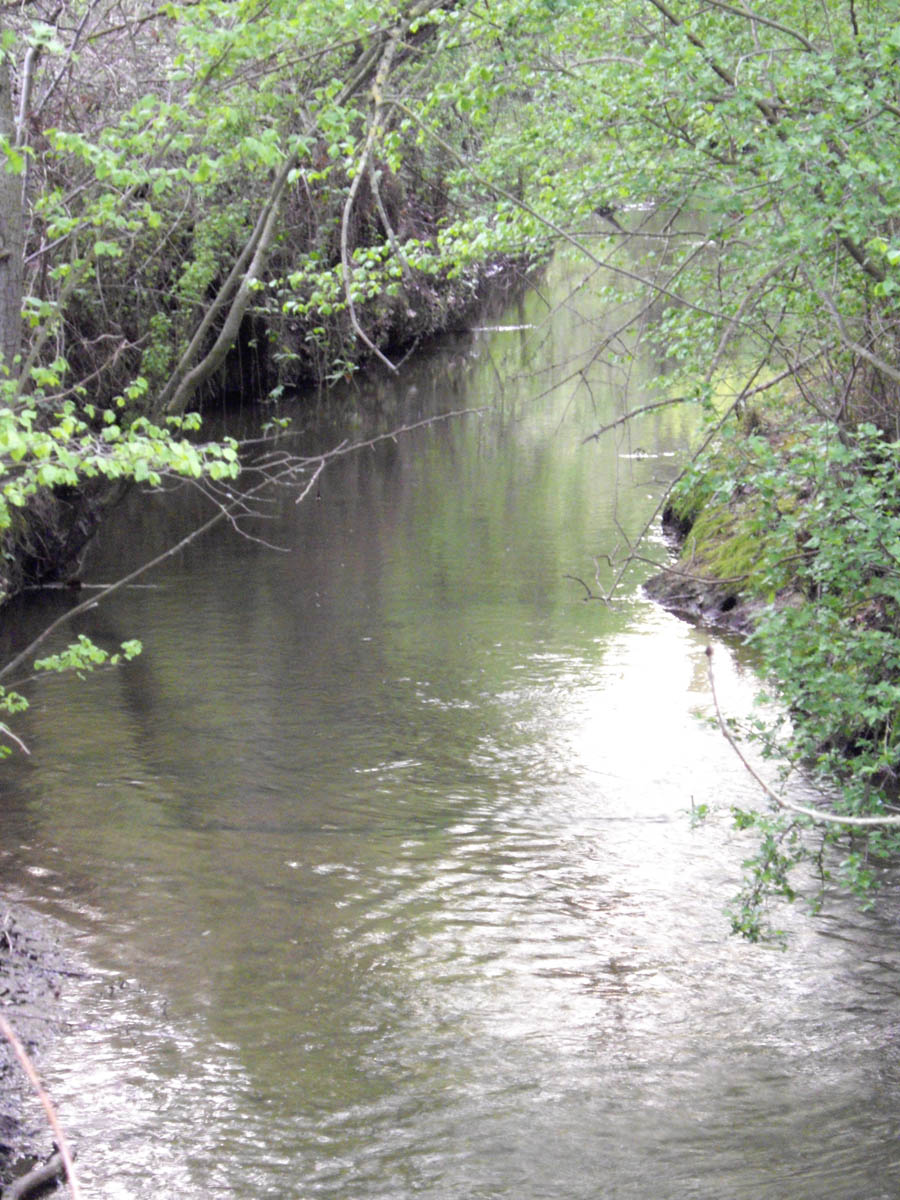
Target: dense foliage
[[213, 195]]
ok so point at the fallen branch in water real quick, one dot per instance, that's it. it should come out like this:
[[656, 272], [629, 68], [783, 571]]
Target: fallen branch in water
[[590, 595], [816, 814], [37, 1178], [65, 1153]]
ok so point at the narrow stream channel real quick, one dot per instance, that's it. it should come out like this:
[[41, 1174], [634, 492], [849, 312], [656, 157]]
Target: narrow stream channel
[[379, 861]]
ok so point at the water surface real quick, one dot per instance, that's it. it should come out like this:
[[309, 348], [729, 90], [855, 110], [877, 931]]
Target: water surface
[[379, 860]]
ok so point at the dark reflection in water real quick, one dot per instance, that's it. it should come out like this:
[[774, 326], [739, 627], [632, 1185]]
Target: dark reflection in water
[[380, 861]]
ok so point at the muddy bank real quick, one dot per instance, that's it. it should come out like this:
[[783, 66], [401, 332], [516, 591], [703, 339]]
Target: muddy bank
[[32, 969], [688, 588]]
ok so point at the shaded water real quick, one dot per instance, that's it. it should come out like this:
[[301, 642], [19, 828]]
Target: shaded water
[[379, 859]]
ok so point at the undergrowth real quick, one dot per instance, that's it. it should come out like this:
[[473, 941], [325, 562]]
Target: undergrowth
[[814, 524]]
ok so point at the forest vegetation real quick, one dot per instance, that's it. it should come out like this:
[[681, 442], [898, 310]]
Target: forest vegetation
[[253, 193]]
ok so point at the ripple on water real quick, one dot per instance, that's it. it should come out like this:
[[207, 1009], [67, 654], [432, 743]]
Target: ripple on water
[[425, 914]]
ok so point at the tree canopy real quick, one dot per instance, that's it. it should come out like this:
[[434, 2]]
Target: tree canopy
[[193, 174]]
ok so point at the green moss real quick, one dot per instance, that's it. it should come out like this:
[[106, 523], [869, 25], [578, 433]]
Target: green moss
[[686, 505], [724, 544]]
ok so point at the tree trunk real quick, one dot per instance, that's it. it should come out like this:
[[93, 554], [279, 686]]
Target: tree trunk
[[12, 236]]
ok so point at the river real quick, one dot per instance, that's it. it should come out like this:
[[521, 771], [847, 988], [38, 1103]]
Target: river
[[378, 863]]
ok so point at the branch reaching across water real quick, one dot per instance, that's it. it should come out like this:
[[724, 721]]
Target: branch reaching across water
[[822, 816], [629, 416], [286, 470]]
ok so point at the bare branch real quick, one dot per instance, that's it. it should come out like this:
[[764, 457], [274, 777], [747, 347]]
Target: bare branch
[[64, 66], [7, 732], [396, 248], [287, 472], [847, 338], [61, 1141], [635, 412], [179, 391], [590, 595], [28, 69], [815, 814], [742, 11], [362, 170]]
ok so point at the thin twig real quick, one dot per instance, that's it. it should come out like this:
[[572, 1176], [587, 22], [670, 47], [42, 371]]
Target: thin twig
[[62, 1143], [7, 732], [590, 595], [815, 814], [635, 412]]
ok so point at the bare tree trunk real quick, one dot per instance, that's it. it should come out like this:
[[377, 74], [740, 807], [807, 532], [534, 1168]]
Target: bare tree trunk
[[12, 236], [236, 293]]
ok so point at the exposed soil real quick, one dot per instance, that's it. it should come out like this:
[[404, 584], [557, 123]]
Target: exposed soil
[[31, 966], [696, 597]]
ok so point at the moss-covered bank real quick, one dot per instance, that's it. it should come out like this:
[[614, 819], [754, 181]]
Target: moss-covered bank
[[711, 581], [737, 519]]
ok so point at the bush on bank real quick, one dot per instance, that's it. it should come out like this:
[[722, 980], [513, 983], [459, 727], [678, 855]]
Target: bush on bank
[[793, 537]]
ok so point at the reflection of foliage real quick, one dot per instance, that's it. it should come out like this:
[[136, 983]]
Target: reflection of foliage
[[82, 657]]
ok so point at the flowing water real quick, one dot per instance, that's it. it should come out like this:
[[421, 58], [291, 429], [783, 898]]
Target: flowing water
[[378, 862]]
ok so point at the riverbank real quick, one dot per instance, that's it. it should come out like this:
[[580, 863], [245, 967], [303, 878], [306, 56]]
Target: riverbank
[[791, 537], [32, 967], [704, 599], [723, 521]]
